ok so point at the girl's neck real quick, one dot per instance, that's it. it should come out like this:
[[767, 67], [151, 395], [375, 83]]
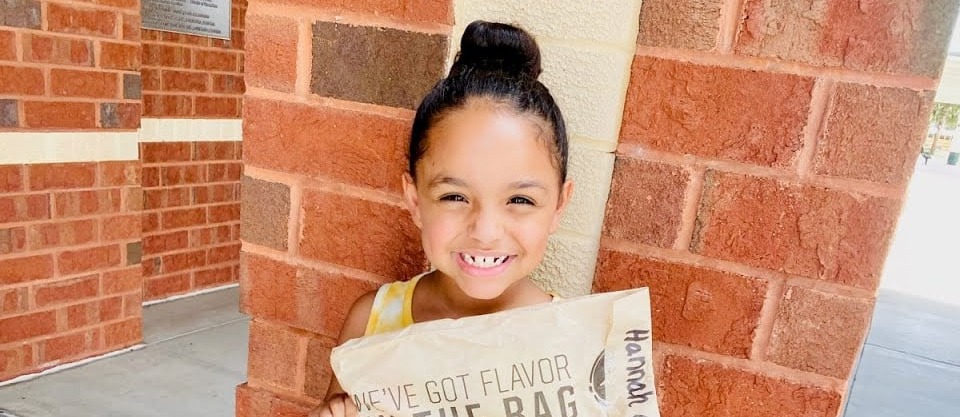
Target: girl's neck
[[451, 302]]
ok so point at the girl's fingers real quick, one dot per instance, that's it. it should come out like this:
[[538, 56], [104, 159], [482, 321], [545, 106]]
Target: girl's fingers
[[321, 411], [350, 407], [336, 406]]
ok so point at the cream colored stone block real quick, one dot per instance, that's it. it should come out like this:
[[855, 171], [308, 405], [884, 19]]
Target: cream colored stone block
[[567, 269], [587, 49], [590, 170], [190, 130], [614, 22], [590, 86], [63, 147]]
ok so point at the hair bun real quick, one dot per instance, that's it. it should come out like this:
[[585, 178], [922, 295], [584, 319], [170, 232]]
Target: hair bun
[[498, 48]]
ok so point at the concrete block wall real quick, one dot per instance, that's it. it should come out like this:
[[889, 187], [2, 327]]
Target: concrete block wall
[[763, 160], [69, 182], [325, 141]]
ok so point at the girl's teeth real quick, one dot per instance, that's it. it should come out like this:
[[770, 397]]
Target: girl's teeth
[[484, 261]]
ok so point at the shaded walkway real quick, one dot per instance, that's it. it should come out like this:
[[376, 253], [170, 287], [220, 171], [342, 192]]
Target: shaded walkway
[[195, 355]]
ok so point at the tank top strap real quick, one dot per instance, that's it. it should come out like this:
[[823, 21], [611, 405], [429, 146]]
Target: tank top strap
[[392, 307]]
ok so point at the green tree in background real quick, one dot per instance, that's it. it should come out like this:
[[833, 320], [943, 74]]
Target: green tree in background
[[944, 116]]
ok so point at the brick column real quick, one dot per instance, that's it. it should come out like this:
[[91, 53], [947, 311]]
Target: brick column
[[325, 135], [762, 164], [69, 182]]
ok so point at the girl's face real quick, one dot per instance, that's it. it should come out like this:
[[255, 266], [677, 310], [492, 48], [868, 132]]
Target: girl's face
[[486, 198]]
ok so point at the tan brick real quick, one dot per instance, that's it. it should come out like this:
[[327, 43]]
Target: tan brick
[[271, 57], [265, 213], [646, 202], [873, 133], [273, 355], [683, 24], [375, 71], [819, 332]]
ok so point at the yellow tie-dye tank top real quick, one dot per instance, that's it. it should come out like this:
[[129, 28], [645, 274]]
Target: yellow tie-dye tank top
[[392, 307]]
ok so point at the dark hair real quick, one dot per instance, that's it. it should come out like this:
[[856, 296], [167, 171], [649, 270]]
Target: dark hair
[[496, 61]]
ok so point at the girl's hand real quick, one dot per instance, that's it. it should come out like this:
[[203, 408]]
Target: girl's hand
[[339, 405]]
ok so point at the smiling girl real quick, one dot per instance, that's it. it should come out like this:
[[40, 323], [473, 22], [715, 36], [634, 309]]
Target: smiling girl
[[487, 185]]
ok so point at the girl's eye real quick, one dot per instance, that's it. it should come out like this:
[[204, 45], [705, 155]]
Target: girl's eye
[[521, 200], [457, 198]]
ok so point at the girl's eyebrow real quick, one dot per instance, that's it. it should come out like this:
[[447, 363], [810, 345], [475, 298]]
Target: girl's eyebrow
[[440, 180], [457, 182], [527, 184]]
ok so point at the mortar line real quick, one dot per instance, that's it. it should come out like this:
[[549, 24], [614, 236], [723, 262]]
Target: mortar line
[[767, 320], [730, 17], [820, 106], [691, 208]]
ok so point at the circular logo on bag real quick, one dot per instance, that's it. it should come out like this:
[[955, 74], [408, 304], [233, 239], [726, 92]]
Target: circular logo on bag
[[597, 379]]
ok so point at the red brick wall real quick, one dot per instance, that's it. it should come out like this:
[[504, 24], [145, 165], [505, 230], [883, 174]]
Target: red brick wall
[[69, 65], [69, 262], [194, 76], [764, 155], [191, 216], [69, 232], [191, 188], [324, 144]]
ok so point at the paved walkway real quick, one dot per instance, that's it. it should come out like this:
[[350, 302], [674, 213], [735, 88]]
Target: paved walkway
[[911, 364], [195, 355]]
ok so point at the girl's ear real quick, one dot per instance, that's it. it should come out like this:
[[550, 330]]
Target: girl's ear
[[566, 192], [411, 199]]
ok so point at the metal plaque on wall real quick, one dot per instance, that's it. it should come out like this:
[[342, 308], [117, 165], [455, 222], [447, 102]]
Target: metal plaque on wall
[[209, 18]]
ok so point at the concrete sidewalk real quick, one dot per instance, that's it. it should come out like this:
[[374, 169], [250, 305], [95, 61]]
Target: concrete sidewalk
[[911, 363], [195, 355]]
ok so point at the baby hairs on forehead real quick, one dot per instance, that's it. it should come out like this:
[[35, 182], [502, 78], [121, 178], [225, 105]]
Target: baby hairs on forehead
[[497, 64]]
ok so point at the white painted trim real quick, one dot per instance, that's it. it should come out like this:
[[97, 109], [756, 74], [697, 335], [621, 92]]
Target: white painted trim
[[191, 130], [64, 367], [191, 294], [93, 146], [49, 147]]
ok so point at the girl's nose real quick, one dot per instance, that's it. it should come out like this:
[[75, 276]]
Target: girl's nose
[[486, 225]]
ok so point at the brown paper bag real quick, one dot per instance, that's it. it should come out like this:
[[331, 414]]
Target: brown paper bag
[[583, 357]]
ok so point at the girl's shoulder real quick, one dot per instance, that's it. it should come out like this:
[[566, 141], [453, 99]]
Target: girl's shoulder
[[374, 306], [392, 306]]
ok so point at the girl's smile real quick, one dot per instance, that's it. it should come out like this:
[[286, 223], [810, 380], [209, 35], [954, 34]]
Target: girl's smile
[[483, 266]]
